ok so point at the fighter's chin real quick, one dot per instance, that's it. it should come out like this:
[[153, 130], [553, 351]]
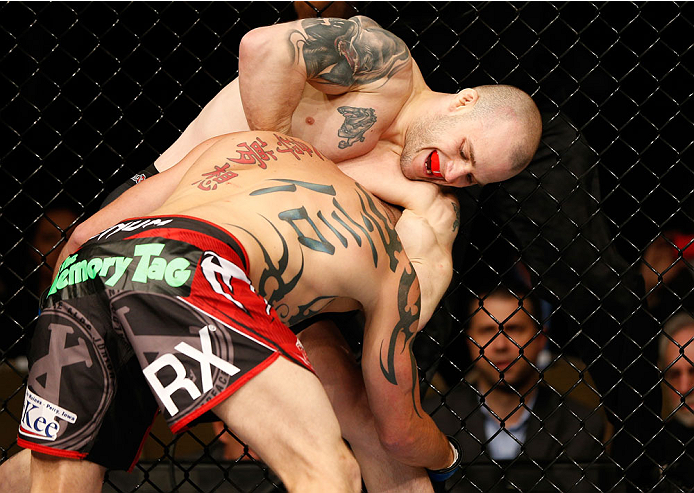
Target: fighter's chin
[[418, 173], [407, 170]]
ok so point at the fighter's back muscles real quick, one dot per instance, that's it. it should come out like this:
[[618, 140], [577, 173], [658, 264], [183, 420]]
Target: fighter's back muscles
[[378, 273], [298, 215]]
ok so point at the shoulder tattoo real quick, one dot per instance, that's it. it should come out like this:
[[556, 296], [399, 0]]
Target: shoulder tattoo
[[348, 53]]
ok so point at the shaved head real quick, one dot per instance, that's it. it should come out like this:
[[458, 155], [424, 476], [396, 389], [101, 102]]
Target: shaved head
[[507, 103]]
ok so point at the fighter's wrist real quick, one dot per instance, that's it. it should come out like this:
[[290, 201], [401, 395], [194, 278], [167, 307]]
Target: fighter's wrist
[[439, 475]]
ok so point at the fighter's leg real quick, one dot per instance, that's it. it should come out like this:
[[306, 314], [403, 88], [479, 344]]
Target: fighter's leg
[[14, 473], [57, 475], [342, 379], [284, 415]]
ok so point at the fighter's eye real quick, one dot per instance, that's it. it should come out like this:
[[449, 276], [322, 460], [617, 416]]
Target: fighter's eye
[[470, 179]]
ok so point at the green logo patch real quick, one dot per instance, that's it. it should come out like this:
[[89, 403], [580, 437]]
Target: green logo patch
[[175, 272]]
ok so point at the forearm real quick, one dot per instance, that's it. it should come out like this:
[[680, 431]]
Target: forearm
[[390, 372], [407, 433]]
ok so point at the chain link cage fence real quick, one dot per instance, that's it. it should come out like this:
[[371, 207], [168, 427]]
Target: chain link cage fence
[[597, 231]]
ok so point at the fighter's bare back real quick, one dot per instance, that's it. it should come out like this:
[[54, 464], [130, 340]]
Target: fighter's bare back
[[300, 231]]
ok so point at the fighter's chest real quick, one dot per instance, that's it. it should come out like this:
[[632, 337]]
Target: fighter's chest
[[343, 127]]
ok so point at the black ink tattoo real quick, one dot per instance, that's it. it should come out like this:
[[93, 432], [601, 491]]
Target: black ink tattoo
[[300, 214], [357, 122], [309, 310], [372, 217], [347, 53], [274, 272], [291, 187], [389, 236], [456, 223], [409, 318], [374, 252]]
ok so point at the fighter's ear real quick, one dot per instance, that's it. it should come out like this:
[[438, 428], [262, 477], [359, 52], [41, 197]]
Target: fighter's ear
[[465, 98]]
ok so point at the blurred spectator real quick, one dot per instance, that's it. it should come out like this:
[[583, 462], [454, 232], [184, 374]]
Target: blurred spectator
[[45, 242], [675, 444], [33, 273], [503, 411], [668, 274]]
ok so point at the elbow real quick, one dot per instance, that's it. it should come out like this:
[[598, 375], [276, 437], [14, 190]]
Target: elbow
[[249, 46], [396, 440], [254, 47], [79, 236]]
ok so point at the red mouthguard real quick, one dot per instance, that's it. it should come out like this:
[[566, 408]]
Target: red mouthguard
[[435, 165]]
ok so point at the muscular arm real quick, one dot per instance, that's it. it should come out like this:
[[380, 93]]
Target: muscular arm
[[427, 234], [390, 376], [428, 226], [333, 55]]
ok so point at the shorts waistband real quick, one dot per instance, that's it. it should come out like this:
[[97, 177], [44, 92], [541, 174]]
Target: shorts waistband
[[183, 228]]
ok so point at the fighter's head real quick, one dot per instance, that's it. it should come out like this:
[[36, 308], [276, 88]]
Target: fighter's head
[[481, 135]]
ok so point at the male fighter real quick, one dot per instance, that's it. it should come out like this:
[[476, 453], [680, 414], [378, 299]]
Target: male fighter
[[182, 290], [352, 89]]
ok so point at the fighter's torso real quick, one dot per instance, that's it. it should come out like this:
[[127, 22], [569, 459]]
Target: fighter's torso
[[300, 219], [348, 125], [341, 126]]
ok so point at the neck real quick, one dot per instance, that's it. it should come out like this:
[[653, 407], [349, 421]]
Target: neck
[[420, 102]]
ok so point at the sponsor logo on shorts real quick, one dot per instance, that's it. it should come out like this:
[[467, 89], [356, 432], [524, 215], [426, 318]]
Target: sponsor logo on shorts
[[138, 178], [205, 358], [40, 418], [220, 272], [150, 266], [132, 226]]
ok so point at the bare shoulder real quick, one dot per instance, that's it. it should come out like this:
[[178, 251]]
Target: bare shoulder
[[365, 21], [350, 52]]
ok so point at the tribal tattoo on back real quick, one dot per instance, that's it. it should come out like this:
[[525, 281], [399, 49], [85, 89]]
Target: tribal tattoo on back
[[342, 228]]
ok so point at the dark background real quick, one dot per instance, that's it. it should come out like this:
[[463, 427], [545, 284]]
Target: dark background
[[92, 92]]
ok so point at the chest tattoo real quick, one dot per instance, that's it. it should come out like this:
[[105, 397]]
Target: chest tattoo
[[357, 122]]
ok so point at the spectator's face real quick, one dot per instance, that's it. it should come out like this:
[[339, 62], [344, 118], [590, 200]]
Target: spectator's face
[[498, 352], [679, 375], [468, 151]]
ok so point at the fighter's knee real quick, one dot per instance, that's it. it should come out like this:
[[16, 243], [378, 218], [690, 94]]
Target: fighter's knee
[[339, 474]]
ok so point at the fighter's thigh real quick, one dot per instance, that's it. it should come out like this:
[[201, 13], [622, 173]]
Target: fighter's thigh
[[284, 414], [339, 373]]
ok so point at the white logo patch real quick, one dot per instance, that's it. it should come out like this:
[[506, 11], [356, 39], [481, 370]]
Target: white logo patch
[[205, 358], [39, 417]]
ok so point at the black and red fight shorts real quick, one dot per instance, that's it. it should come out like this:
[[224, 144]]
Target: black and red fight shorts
[[158, 301]]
